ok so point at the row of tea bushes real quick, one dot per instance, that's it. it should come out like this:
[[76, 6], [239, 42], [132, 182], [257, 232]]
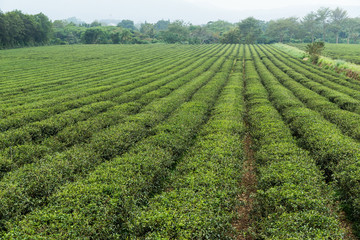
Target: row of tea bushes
[[40, 109], [318, 71], [100, 205], [201, 197], [292, 201], [130, 103], [346, 98], [348, 122], [338, 155]]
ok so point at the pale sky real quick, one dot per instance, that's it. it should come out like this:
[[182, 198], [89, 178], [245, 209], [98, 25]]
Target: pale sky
[[194, 11]]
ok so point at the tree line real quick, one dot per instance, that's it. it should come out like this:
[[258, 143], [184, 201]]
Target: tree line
[[18, 29], [325, 24], [127, 33]]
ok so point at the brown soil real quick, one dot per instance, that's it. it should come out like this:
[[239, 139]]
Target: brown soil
[[346, 226], [243, 223]]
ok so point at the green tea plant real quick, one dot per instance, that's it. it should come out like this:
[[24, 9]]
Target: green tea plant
[[291, 201], [147, 142]]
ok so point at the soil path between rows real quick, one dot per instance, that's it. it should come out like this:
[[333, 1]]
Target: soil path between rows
[[248, 182]]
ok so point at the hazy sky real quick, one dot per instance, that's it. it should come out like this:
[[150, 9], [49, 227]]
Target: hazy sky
[[194, 11]]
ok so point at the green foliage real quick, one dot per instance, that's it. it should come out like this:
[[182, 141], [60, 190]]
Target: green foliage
[[282, 29], [338, 20], [201, 199], [18, 29], [314, 50], [95, 24], [310, 24], [250, 30], [292, 200], [148, 29], [141, 171], [177, 32], [333, 151], [92, 35], [161, 25], [146, 142], [247, 31], [339, 51], [128, 24], [231, 37], [219, 27]]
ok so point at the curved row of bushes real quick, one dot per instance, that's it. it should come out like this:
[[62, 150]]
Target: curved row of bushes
[[201, 197], [156, 151], [80, 132], [52, 79], [320, 71], [347, 98], [101, 204], [338, 155], [348, 122], [40, 107], [292, 200]]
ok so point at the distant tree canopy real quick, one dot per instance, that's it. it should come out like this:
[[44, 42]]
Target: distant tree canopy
[[219, 26], [161, 25], [247, 31], [18, 29], [176, 32], [129, 24], [324, 24], [282, 29], [95, 24], [92, 35], [148, 29]]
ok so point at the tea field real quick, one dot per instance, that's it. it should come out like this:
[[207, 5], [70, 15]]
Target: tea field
[[152, 142]]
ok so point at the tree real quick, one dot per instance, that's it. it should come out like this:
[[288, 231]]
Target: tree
[[18, 29], [92, 35], [338, 19], [314, 50], [200, 35], [59, 24], [95, 24], [310, 24], [220, 26], [250, 30], [30, 29], [323, 17], [352, 29], [4, 26], [77, 22], [147, 29], [231, 37], [282, 29], [67, 33], [128, 24], [115, 37], [125, 36], [44, 28], [177, 32], [161, 25]]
